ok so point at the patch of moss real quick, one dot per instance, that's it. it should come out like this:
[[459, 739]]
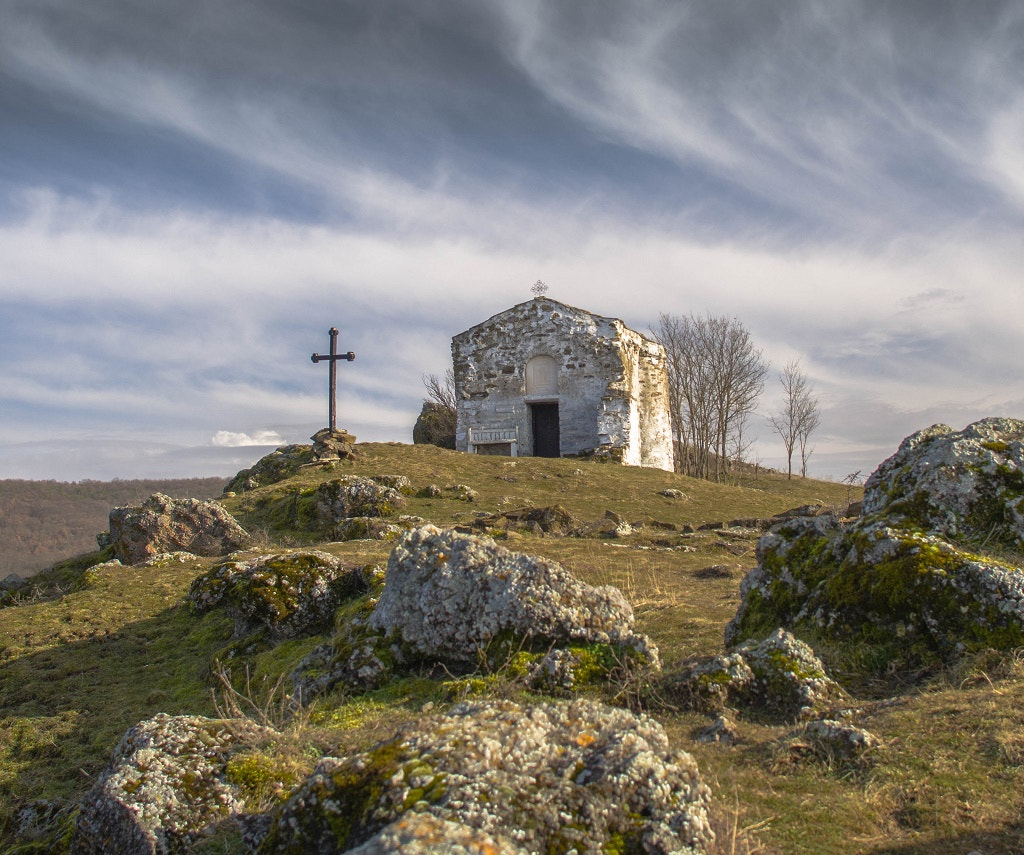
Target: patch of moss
[[262, 777], [356, 797]]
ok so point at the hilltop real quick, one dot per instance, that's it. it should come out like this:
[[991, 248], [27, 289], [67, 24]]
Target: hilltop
[[109, 646]]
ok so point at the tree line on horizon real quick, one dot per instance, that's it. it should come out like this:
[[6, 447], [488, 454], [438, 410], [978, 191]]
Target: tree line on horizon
[[44, 522]]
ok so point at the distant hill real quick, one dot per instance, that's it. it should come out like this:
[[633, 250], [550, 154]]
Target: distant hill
[[42, 522]]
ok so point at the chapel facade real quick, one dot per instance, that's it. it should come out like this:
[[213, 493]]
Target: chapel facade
[[546, 379]]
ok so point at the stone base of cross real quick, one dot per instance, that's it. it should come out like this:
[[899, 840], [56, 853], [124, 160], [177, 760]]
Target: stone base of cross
[[330, 445]]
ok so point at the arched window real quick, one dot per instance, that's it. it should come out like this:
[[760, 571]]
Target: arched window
[[542, 376]]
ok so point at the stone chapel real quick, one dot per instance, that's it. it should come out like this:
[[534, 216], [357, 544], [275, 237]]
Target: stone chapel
[[545, 379]]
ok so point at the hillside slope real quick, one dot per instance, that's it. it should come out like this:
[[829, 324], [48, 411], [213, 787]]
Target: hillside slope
[[77, 670]]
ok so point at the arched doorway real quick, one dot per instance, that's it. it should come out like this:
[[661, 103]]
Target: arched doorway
[[542, 399]]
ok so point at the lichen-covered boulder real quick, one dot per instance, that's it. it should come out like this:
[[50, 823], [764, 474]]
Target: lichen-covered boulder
[[559, 777], [355, 496], [965, 485], [435, 425], [779, 675], [425, 834], [449, 595], [914, 594], [462, 600], [287, 594], [280, 464], [162, 524], [902, 579], [166, 785]]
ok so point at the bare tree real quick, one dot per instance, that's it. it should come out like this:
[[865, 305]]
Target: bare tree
[[441, 390], [799, 416], [739, 371], [715, 377], [437, 420]]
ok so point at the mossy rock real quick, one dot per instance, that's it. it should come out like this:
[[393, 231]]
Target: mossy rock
[[284, 594], [277, 466], [915, 598]]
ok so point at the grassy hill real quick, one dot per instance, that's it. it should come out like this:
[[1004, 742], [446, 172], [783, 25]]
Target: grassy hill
[[117, 645]]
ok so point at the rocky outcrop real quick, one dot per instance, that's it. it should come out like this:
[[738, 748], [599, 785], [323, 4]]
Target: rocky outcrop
[[461, 599], [779, 675], [277, 466], [166, 785], [904, 578], [286, 594], [964, 485], [551, 519], [508, 773], [162, 524], [354, 496]]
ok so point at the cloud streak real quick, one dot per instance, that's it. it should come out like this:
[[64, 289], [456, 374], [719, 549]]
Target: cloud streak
[[194, 197]]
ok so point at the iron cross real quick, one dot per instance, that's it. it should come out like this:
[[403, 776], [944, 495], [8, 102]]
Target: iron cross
[[332, 360]]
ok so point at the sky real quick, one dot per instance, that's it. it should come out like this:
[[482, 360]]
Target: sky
[[192, 193]]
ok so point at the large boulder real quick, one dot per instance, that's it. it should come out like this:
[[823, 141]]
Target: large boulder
[[963, 485], [287, 594], [558, 777], [462, 600], [353, 496], [449, 595], [903, 579], [162, 524], [435, 425], [165, 786]]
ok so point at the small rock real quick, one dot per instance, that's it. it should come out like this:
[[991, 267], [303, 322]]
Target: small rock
[[779, 675], [836, 741], [720, 730]]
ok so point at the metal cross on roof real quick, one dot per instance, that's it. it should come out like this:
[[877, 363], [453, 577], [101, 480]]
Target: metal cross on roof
[[332, 360]]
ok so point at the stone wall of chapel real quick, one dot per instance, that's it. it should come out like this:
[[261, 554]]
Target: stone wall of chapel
[[600, 364]]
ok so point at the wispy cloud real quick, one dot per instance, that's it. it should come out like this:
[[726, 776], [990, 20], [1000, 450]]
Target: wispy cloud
[[192, 198]]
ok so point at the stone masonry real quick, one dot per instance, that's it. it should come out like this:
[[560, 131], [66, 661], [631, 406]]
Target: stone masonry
[[547, 379]]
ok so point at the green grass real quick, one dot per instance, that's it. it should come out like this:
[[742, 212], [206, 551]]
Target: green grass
[[79, 667]]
